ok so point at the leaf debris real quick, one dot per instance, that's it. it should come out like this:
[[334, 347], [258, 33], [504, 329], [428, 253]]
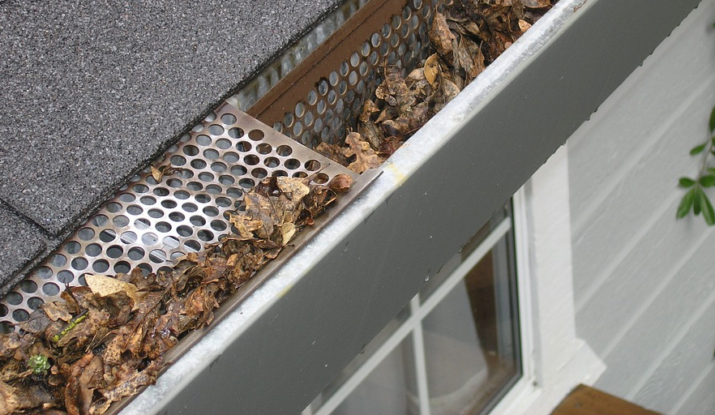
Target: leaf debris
[[464, 38], [107, 340]]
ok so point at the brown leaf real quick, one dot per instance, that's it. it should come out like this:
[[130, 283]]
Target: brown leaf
[[288, 230], [105, 286], [447, 91], [536, 4], [390, 145], [166, 170], [399, 127], [365, 156], [130, 380], [57, 310], [8, 400], [370, 133], [524, 25], [37, 323], [416, 75], [368, 108], [468, 60], [340, 183], [156, 174], [294, 187], [431, 69], [333, 152], [85, 376], [388, 113], [441, 36]]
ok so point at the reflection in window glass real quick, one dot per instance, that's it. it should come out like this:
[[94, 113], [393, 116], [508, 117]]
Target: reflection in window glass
[[453, 350], [386, 390]]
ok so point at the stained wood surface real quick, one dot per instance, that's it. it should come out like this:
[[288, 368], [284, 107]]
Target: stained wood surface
[[585, 400]]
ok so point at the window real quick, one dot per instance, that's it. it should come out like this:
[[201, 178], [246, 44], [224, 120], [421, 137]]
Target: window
[[453, 349]]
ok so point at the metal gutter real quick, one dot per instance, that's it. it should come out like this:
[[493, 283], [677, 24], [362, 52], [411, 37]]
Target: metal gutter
[[275, 352]]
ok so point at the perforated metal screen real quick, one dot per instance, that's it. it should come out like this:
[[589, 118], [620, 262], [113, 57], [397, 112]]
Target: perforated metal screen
[[332, 106], [148, 223]]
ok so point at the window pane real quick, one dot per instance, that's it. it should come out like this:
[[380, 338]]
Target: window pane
[[470, 352], [367, 353], [388, 390]]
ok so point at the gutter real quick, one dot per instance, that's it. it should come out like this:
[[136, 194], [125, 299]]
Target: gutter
[[295, 333]]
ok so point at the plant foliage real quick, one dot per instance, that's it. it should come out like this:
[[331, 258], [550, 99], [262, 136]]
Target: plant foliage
[[695, 198]]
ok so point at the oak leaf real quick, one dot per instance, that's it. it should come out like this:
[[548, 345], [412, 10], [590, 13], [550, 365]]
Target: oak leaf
[[365, 156]]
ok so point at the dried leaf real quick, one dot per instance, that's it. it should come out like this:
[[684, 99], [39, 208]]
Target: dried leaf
[[431, 69], [166, 170], [340, 183], [368, 108], [370, 133], [365, 157], [524, 25], [8, 399], [129, 381], [57, 311], [105, 286], [536, 4], [333, 152], [446, 92], [156, 174], [288, 230], [295, 188], [441, 36]]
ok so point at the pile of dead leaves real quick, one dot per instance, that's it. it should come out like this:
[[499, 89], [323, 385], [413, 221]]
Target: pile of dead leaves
[[107, 340], [465, 36]]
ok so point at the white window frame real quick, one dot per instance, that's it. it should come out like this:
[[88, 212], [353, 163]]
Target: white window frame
[[554, 359]]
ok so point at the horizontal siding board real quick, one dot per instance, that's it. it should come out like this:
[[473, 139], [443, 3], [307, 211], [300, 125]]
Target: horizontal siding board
[[608, 315], [691, 355], [617, 227], [661, 321], [701, 400]]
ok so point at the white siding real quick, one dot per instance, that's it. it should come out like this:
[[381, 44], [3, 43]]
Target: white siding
[[644, 283]]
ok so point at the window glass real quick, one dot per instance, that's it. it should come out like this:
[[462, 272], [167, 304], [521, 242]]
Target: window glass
[[388, 389]]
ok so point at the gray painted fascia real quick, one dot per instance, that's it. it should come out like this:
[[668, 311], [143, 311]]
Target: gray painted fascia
[[300, 342]]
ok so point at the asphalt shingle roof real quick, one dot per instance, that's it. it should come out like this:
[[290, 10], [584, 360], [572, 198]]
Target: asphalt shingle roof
[[92, 90]]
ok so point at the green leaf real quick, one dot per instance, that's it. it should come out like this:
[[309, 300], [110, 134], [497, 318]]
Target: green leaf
[[686, 203], [712, 120], [686, 182], [696, 200], [711, 170], [707, 180], [697, 149], [708, 212]]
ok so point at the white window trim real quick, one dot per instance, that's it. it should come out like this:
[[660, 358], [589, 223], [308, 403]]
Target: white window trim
[[554, 359]]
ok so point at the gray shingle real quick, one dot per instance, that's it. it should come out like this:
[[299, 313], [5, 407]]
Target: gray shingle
[[21, 243], [93, 89]]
